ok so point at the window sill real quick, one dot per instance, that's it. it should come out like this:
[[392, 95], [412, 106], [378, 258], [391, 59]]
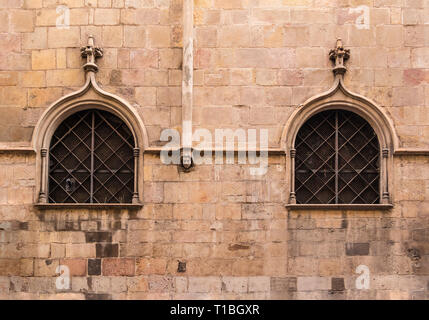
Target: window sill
[[366, 207], [101, 206]]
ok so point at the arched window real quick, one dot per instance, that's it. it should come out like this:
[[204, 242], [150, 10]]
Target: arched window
[[337, 160], [88, 147], [340, 146], [91, 160]]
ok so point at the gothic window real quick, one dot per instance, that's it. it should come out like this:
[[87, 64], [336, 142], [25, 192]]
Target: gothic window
[[91, 160], [337, 160]]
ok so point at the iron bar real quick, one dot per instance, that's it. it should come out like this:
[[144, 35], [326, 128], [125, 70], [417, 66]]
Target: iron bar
[[337, 155], [94, 149], [92, 157]]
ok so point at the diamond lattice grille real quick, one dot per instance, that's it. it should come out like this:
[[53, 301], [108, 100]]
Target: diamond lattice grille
[[91, 160], [337, 160]]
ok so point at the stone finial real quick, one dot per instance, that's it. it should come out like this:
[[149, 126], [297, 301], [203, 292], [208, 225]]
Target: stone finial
[[91, 53], [339, 55]]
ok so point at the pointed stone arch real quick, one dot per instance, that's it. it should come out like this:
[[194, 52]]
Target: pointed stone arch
[[90, 96], [339, 97]]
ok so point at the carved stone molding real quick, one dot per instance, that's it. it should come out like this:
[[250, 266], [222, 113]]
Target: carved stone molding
[[90, 96], [339, 97], [339, 55], [91, 53]]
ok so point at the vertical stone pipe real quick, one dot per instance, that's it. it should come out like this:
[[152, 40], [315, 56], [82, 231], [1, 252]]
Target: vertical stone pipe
[[187, 81]]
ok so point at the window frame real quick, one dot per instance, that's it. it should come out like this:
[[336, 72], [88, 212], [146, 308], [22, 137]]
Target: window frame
[[334, 154], [92, 170], [89, 97], [340, 98]]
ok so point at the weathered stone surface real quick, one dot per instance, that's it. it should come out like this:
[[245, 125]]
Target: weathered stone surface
[[77, 267], [107, 250], [94, 267], [255, 62], [102, 236], [357, 249], [337, 284], [118, 267]]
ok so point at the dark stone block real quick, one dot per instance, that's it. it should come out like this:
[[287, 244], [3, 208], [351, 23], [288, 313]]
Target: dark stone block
[[94, 267], [102, 236], [70, 226], [285, 295], [23, 225], [98, 296], [117, 225], [337, 284], [67, 226], [419, 235], [107, 250], [336, 295], [116, 77], [89, 282], [181, 266], [283, 284], [357, 249], [237, 246]]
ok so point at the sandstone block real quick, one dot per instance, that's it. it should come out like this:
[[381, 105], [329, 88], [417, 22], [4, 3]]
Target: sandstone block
[[235, 284], [389, 36], [158, 36], [21, 21], [62, 38], [112, 36], [206, 37], [82, 250], [147, 266], [205, 284], [77, 267], [144, 58], [43, 59], [8, 78], [45, 267], [420, 58], [66, 77], [134, 36], [118, 266], [106, 16]]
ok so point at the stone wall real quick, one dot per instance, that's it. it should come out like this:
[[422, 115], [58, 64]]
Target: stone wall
[[216, 231], [40, 63], [255, 60]]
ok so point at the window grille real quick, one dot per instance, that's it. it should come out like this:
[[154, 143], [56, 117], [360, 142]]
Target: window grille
[[337, 160], [91, 160]]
